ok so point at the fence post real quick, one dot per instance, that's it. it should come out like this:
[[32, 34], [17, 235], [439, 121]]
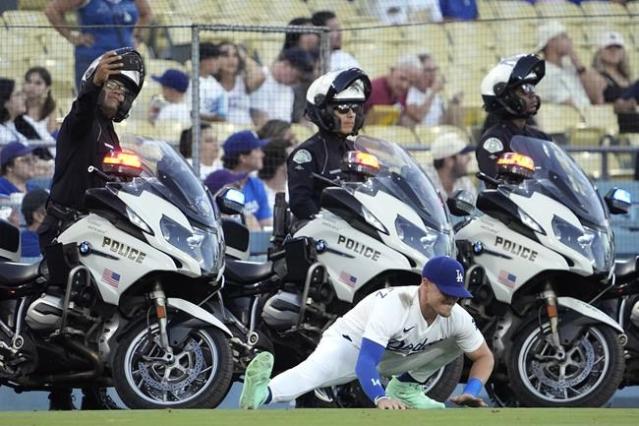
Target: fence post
[[325, 51], [195, 96]]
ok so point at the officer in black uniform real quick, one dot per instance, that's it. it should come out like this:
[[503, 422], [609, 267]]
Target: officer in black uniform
[[109, 86], [508, 91], [334, 102]]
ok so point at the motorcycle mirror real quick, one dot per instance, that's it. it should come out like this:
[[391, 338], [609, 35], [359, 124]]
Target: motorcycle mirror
[[360, 163], [618, 201], [461, 203], [124, 163], [230, 201], [514, 165]]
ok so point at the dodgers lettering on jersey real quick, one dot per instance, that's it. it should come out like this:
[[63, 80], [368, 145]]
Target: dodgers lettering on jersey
[[392, 318]]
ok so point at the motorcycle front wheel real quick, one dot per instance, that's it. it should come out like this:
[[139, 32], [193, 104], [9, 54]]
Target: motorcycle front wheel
[[196, 375], [587, 376]]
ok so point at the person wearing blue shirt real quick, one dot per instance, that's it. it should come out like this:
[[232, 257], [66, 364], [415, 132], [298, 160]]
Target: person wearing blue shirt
[[16, 167], [459, 10], [106, 25], [33, 210], [243, 154]]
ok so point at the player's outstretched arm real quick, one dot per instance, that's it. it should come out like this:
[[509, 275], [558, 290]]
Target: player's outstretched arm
[[483, 363]]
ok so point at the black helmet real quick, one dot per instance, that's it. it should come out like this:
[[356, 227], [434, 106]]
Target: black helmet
[[344, 86], [131, 75], [498, 87]]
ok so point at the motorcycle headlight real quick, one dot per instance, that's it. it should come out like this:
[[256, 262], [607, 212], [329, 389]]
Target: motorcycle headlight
[[198, 244], [430, 242]]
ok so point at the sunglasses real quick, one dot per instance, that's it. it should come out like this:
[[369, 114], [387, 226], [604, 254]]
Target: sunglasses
[[116, 85], [345, 108]]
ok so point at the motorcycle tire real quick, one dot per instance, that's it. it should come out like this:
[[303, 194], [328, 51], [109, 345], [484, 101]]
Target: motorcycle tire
[[599, 384], [144, 392]]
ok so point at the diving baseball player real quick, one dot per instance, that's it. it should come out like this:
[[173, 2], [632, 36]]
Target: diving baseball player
[[405, 332]]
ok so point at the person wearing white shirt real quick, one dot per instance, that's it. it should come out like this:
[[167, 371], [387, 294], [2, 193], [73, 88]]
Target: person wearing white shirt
[[425, 104], [274, 98], [339, 59], [394, 12], [12, 105], [405, 332], [173, 106], [214, 101], [567, 81]]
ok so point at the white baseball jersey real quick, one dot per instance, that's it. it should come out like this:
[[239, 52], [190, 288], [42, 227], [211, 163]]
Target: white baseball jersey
[[392, 318]]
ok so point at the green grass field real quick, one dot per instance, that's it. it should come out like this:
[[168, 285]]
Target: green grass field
[[450, 417]]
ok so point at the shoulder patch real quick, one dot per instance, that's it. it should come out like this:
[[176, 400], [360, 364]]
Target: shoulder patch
[[302, 156], [493, 145]]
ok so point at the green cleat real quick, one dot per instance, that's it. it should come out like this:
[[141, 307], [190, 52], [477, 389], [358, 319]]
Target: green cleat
[[411, 394], [256, 379]]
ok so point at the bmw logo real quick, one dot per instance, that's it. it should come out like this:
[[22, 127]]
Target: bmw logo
[[478, 247], [84, 248], [320, 246]]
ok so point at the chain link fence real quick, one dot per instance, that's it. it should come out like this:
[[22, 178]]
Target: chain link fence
[[247, 69]]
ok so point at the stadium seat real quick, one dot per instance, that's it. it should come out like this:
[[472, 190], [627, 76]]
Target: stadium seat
[[32, 4], [427, 134], [479, 34], [397, 134], [302, 132], [558, 8], [486, 9], [423, 157], [557, 119], [585, 136], [514, 9], [224, 130], [603, 117], [605, 11], [516, 39]]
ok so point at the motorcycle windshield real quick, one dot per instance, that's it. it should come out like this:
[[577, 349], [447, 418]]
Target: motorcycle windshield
[[401, 177], [167, 174], [558, 176]]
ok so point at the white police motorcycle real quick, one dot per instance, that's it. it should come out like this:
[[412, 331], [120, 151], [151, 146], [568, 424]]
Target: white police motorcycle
[[119, 301], [538, 253], [376, 228]]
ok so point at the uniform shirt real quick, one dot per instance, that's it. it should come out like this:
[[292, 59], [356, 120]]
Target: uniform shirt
[[561, 84], [392, 318], [273, 99], [85, 137], [496, 140], [321, 154]]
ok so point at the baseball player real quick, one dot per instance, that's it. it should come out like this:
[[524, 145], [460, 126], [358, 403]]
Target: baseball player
[[405, 332]]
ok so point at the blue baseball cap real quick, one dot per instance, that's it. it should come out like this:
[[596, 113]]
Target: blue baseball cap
[[221, 178], [448, 275], [175, 79], [14, 150], [244, 141]]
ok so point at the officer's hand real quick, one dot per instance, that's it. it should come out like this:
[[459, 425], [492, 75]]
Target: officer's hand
[[468, 400], [109, 65], [390, 404]]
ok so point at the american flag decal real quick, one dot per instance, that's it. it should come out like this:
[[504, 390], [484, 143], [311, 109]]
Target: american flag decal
[[507, 278], [111, 278], [348, 278]]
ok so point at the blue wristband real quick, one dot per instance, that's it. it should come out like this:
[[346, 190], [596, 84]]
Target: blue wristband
[[473, 387]]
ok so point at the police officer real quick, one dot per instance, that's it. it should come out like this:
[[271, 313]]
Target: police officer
[[508, 91], [109, 86], [334, 102]]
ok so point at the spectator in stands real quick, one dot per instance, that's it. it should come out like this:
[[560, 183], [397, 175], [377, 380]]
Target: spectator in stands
[[274, 174], [172, 106], [451, 157], [396, 12], [339, 59], [425, 104], [214, 102], [12, 105], [209, 149], [239, 75], [274, 98], [277, 129], [508, 91], [105, 25], [41, 107], [392, 88], [243, 154], [306, 41], [34, 212], [567, 80], [16, 167], [611, 62], [459, 10]]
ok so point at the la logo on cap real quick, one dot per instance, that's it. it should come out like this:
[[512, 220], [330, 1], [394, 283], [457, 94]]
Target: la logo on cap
[[460, 276]]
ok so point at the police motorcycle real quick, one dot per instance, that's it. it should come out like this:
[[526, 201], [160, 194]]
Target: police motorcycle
[[539, 252], [118, 301], [376, 228]]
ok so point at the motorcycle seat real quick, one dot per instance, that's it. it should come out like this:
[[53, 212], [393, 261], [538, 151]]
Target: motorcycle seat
[[244, 272], [625, 269], [14, 274]]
